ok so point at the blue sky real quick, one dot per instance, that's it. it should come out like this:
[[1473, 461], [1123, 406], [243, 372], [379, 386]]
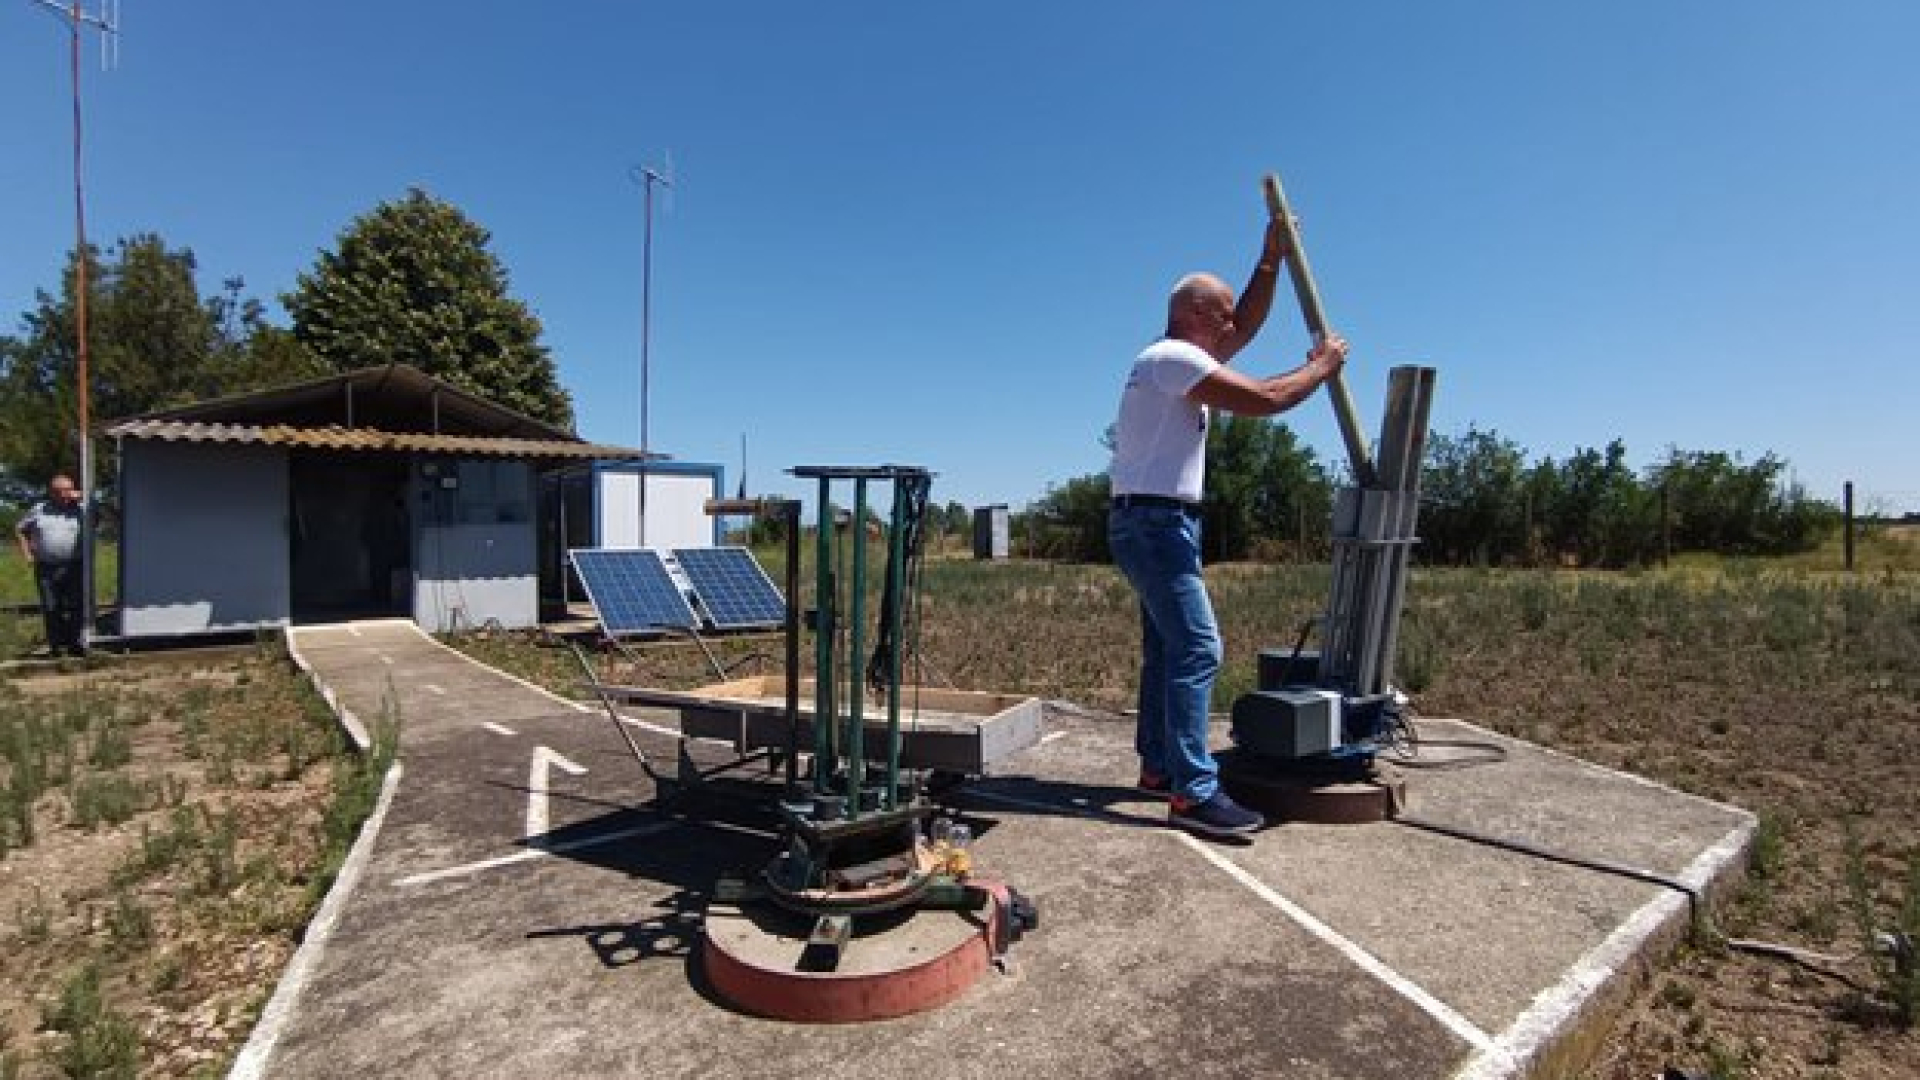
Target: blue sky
[[936, 234]]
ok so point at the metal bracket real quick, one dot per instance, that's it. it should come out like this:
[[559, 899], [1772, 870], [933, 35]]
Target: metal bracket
[[826, 943]]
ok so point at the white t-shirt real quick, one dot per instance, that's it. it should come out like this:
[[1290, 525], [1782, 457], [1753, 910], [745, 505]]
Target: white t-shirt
[[52, 530], [1160, 441]]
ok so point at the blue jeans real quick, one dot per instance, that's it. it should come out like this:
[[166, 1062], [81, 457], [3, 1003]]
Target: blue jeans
[[1158, 549], [60, 605]]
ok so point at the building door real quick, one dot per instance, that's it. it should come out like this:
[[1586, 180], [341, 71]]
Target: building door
[[348, 535]]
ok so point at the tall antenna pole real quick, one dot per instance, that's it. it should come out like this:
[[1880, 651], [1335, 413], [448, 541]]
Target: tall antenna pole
[[646, 176], [76, 19]]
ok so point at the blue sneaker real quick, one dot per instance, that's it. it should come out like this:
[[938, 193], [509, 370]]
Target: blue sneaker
[[1218, 816]]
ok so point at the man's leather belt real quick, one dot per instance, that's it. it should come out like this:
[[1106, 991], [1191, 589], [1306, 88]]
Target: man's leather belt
[[1164, 502]]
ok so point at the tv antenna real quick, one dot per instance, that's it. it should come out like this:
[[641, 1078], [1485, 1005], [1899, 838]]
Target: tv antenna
[[648, 178], [106, 20]]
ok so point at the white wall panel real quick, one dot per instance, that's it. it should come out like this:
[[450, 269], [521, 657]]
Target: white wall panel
[[205, 538]]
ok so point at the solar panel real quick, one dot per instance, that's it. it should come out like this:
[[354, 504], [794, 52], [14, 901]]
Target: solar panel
[[631, 590], [731, 585]]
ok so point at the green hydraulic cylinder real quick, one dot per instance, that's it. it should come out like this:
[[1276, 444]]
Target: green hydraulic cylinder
[[824, 765], [856, 719], [896, 616]]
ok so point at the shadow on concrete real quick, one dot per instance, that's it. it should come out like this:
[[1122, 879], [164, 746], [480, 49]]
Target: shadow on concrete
[[685, 848], [670, 934], [1105, 803], [678, 849]]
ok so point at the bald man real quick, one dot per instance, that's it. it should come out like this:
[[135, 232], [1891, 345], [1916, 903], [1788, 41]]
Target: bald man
[[49, 539], [1158, 473]]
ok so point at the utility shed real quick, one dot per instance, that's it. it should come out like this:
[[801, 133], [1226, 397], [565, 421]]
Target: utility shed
[[990, 531], [383, 491], [649, 503]]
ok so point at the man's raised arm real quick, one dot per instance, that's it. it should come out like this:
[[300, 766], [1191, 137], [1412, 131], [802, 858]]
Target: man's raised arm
[[1250, 314]]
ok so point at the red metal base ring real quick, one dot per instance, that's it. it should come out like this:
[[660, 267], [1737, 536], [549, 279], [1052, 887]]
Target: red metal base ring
[[917, 962]]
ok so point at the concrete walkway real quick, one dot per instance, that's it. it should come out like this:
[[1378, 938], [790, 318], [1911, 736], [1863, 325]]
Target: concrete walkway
[[455, 946]]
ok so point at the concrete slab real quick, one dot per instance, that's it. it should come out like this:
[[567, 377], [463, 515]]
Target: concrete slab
[[521, 908]]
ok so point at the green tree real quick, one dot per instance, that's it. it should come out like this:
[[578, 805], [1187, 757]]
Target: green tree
[[255, 354], [1595, 510], [412, 282], [1266, 495], [1718, 503], [153, 341], [1472, 502], [1069, 521]]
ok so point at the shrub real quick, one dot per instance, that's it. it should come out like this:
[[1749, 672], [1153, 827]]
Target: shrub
[[100, 1042]]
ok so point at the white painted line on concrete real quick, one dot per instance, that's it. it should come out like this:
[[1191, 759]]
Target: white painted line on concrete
[[1466, 1029], [434, 688], [1052, 735], [530, 854], [499, 729], [1558, 1007], [527, 855], [1444, 1014], [647, 725], [544, 759], [251, 1064]]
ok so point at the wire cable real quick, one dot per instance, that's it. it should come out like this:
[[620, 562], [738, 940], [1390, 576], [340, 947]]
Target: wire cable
[[912, 489], [1697, 908], [1401, 743]]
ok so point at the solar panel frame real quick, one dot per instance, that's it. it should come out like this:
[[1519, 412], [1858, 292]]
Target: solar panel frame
[[631, 590], [732, 586]]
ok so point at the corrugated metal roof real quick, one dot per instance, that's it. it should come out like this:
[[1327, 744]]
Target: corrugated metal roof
[[394, 396], [365, 439]]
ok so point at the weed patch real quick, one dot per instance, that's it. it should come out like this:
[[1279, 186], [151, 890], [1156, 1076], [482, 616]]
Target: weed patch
[[218, 778], [100, 1042]]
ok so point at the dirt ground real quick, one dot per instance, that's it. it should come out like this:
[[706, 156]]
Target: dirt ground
[[149, 944], [1821, 756]]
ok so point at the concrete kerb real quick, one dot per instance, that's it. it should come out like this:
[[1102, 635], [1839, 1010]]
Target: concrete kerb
[[1632, 778], [356, 730], [251, 1063], [1559, 1033], [509, 676], [1563, 1026]]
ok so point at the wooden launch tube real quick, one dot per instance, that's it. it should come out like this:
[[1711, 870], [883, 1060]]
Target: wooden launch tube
[[1316, 317]]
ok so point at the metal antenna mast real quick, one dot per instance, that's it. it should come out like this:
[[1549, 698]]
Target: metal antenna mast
[[646, 176], [107, 21]]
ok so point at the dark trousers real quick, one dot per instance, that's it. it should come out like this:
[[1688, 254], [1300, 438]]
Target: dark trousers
[[60, 598]]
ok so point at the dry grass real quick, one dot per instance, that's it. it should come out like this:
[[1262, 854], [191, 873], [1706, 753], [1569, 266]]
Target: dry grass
[[164, 834]]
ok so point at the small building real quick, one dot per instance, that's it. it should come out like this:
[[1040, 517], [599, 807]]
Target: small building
[[383, 491], [638, 503], [990, 531]]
